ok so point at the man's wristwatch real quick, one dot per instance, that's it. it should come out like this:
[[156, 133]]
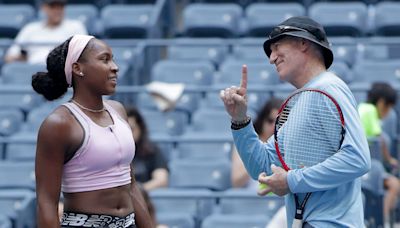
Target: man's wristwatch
[[236, 125]]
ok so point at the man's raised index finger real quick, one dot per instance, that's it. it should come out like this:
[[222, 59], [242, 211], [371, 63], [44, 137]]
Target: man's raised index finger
[[243, 82]]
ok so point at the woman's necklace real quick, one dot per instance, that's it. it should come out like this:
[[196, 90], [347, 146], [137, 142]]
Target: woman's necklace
[[88, 109]]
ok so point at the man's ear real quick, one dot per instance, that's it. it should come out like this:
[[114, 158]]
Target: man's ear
[[304, 44], [76, 68]]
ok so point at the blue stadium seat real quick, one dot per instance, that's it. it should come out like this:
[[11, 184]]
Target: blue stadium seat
[[4, 222], [247, 202], [13, 18], [17, 175], [176, 220], [5, 43], [97, 3], [249, 49], [342, 70], [197, 203], [88, 14], [13, 2], [23, 148], [260, 73], [211, 20], [20, 72], [359, 90], [341, 18], [203, 150], [18, 205], [213, 49], [374, 144], [165, 124], [209, 174], [344, 49], [128, 21], [180, 71], [209, 123], [36, 116], [283, 90], [373, 71], [262, 17], [381, 48], [19, 99], [188, 102], [234, 221], [10, 121], [372, 187], [387, 19]]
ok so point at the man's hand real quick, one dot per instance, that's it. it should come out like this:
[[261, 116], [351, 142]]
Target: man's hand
[[276, 183], [235, 99]]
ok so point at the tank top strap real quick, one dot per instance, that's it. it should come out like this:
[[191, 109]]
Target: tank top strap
[[83, 121]]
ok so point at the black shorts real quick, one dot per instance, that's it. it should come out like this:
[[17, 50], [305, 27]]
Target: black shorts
[[75, 219]]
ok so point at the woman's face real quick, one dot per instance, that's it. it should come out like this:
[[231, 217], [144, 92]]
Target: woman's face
[[136, 131], [268, 125], [99, 68]]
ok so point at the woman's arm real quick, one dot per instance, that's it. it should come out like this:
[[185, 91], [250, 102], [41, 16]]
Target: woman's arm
[[50, 151]]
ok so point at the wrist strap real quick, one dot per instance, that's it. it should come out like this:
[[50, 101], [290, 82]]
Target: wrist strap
[[236, 125]]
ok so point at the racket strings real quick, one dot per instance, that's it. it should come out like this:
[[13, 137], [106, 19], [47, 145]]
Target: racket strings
[[309, 129]]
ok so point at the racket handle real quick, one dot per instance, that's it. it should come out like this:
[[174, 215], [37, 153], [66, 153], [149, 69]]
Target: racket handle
[[297, 223]]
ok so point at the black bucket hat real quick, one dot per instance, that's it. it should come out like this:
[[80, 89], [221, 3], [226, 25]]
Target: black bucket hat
[[303, 27]]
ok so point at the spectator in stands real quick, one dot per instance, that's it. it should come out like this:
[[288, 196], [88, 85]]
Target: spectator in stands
[[299, 49], [37, 39], [85, 147], [264, 125], [150, 166], [380, 100]]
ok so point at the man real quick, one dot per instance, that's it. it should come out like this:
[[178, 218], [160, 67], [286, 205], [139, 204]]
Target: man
[[37, 39], [300, 51]]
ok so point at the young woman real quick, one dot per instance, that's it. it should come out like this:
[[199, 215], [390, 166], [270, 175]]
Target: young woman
[[85, 147]]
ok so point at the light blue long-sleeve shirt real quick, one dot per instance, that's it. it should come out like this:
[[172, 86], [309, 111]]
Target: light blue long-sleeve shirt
[[335, 183]]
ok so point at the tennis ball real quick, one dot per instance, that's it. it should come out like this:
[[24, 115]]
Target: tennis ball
[[262, 186]]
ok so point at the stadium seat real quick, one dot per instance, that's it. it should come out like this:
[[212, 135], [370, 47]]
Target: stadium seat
[[197, 203], [247, 202], [209, 123], [260, 73], [234, 221], [375, 150], [188, 102], [88, 14], [13, 18], [387, 19], [128, 21], [381, 48], [249, 49], [209, 174], [214, 50], [262, 17], [18, 205], [4, 222], [17, 175], [22, 97], [341, 18], [5, 43], [176, 220], [10, 121], [167, 124], [203, 150], [20, 72], [180, 71], [342, 70], [22, 147], [373, 71], [344, 49], [211, 20], [372, 187]]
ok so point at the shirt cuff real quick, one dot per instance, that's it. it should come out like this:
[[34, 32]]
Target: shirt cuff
[[291, 180]]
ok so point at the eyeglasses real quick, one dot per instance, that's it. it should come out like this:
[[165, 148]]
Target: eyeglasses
[[287, 28]]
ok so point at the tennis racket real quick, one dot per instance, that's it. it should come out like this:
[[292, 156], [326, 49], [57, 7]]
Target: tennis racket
[[309, 129]]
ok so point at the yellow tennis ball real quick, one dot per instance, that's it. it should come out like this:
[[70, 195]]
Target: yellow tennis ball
[[262, 186]]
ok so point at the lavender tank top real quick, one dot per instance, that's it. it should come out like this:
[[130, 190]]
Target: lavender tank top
[[104, 158]]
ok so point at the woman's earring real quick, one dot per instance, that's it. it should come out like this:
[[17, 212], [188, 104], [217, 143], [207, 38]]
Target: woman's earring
[[81, 74]]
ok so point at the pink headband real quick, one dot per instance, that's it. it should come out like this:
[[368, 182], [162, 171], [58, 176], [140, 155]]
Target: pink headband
[[75, 48]]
